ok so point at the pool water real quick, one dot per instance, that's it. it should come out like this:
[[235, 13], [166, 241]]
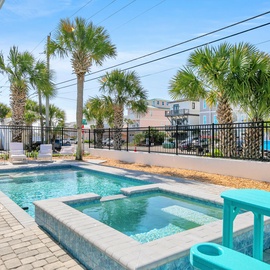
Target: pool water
[[153, 215], [26, 187]]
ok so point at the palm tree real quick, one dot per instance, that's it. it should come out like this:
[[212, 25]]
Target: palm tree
[[57, 118], [30, 116], [98, 109], [249, 87], [205, 76], [17, 68], [4, 111], [123, 89], [87, 44], [41, 79]]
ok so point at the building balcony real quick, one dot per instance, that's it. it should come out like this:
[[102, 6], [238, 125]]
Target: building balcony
[[174, 113]]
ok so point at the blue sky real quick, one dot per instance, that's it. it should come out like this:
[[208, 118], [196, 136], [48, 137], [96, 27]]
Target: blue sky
[[136, 27]]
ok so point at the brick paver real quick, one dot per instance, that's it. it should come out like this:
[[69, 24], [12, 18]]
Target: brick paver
[[27, 248]]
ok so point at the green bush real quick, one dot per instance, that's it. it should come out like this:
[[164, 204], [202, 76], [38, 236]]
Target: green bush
[[32, 154], [217, 153]]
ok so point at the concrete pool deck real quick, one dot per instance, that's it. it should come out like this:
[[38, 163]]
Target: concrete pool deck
[[23, 245]]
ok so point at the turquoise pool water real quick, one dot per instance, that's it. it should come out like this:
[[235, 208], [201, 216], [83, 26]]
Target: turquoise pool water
[[25, 187], [153, 215]]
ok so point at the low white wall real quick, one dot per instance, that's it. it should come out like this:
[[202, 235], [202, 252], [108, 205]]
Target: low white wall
[[240, 168]]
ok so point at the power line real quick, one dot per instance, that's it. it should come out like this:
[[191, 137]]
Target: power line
[[118, 11], [101, 10], [180, 52], [81, 8], [172, 46], [69, 17], [139, 14]]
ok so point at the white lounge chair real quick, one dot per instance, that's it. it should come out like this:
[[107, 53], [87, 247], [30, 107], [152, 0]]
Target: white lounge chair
[[45, 152], [16, 152], [67, 150]]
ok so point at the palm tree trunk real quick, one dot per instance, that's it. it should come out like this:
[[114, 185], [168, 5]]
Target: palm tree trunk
[[17, 104], [100, 132], [79, 115], [118, 125], [226, 134], [41, 117], [253, 141]]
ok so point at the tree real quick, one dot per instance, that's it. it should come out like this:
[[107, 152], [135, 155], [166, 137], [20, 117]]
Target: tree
[[18, 67], [123, 89], [4, 111], [56, 121], [206, 76], [87, 44], [249, 87], [98, 109], [41, 79], [30, 116]]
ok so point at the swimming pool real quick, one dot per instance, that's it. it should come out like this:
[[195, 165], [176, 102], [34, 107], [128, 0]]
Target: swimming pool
[[150, 216], [26, 186]]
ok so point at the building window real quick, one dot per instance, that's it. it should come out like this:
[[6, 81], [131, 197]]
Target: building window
[[176, 107], [157, 102], [162, 103], [153, 102], [204, 104], [204, 119], [215, 119], [193, 105], [167, 103]]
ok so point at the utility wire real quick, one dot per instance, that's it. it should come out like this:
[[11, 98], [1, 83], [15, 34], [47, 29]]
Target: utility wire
[[101, 10], [56, 26], [139, 15], [149, 74], [172, 46], [117, 11], [180, 52]]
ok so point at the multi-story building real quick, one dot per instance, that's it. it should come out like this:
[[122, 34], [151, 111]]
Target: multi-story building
[[155, 115], [183, 112], [208, 114]]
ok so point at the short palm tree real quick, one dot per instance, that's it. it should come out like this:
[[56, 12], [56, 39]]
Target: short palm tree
[[87, 44], [17, 69], [98, 109], [57, 118], [31, 115], [41, 80], [4, 111], [205, 76], [250, 88], [123, 89]]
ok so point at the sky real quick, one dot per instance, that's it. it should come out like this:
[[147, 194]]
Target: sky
[[137, 28]]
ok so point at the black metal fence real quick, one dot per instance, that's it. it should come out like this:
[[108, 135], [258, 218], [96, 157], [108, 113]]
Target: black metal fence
[[33, 136], [236, 141]]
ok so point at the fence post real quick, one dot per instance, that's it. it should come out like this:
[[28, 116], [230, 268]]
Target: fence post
[[62, 134], [89, 143], [127, 138], [262, 140], [149, 143], [176, 141], [213, 140], [109, 138]]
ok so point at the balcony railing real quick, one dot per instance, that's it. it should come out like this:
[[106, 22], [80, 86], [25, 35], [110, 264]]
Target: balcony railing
[[176, 112]]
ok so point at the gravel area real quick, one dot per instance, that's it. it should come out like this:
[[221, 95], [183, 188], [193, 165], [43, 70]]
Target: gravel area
[[234, 182]]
